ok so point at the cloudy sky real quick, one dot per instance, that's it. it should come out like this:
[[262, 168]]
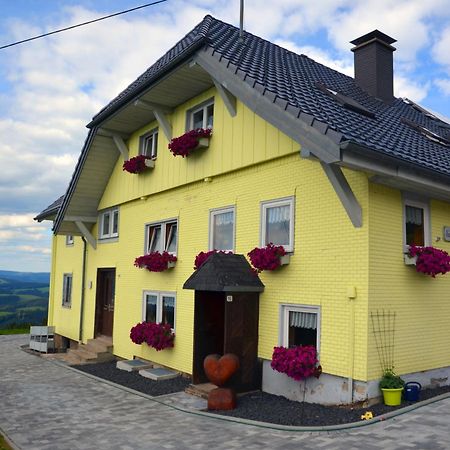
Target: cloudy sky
[[50, 88]]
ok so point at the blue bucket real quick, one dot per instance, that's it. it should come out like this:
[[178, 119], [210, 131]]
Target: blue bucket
[[412, 391]]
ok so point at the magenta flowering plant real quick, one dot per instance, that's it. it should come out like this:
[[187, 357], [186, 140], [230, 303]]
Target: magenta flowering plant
[[135, 164], [296, 362], [156, 335], [155, 261], [184, 144], [430, 260], [202, 257], [266, 258]]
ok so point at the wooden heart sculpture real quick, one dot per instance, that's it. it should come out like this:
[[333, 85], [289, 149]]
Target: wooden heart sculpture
[[220, 369]]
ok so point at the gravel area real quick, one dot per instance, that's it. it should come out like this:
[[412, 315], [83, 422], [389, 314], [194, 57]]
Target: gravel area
[[133, 380], [255, 405]]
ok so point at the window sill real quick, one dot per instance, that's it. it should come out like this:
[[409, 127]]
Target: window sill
[[66, 306], [107, 240]]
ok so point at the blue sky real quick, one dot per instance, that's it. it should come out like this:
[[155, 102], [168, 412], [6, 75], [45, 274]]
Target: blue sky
[[50, 88]]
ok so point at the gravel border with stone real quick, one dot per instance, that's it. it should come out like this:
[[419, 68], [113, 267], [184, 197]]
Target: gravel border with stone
[[258, 406], [133, 380]]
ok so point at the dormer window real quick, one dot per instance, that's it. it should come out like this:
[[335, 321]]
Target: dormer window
[[201, 116], [148, 144], [429, 134]]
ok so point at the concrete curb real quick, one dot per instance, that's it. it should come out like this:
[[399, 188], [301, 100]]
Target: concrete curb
[[255, 423], [8, 440]]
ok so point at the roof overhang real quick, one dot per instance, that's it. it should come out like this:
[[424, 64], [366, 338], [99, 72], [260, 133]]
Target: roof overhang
[[225, 272], [395, 173]]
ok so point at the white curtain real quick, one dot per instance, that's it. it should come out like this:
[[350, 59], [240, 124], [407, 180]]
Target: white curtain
[[414, 215], [303, 320], [278, 214]]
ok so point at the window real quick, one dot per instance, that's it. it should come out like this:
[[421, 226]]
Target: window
[[221, 229], [67, 290], [277, 223], [300, 325], [162, 237], [69, 239], [416, 223], [201, 116], [109, 224], [159, 307], [148, 144]]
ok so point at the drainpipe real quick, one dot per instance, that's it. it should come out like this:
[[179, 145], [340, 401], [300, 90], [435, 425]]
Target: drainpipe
[[351, 294], [83, 284]]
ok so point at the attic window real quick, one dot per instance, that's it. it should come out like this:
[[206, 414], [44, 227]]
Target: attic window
[[431, 135], [345, 101]]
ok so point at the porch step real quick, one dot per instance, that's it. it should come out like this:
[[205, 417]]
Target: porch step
[[200, 390], [95, 350]]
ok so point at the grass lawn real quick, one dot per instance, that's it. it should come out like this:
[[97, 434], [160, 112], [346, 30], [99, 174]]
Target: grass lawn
[[3, 444], [15, 331]]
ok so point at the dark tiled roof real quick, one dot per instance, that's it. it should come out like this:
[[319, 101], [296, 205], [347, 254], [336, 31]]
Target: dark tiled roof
[[51, 210], [225, 272], [294, 78]]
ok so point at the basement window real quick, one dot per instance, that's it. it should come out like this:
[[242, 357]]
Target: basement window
[[300, 325], [346, 102]]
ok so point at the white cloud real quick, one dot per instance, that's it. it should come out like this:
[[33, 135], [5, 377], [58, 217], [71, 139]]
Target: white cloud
[[443, 85], [441, 52]]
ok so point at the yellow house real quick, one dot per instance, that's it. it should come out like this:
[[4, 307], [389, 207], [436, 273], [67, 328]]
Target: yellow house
[[337, 170]]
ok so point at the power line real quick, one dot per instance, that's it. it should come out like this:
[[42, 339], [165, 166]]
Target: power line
[[82, 24]]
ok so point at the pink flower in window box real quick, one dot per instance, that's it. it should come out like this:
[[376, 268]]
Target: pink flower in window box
[[202, 257], [298, 362], [186, 143], [430, 260], [156, 335], [138, 164], [155, 261], [269, 257]]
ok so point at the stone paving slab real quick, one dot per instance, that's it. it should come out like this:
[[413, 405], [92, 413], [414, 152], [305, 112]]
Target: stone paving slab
[[46, 406]]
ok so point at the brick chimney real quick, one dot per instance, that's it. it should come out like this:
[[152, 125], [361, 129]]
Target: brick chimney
[[374, 70]]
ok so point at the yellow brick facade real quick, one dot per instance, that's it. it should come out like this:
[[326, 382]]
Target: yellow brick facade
[[248, 162]]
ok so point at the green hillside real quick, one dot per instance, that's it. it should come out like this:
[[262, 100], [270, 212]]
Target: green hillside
[[23, 301]]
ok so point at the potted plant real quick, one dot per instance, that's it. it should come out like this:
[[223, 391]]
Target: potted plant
[[202, 257], [190, 141], [269, 257], [156, 262], [391, 386], [138, 164], [156, 335], [429, 260]]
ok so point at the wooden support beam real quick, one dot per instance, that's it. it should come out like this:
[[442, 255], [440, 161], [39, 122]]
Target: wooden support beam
[[151, 106], [227, 97], [80, 219], [163, 123], [344, 192], [121, 146], [110, 133], [87, 234]]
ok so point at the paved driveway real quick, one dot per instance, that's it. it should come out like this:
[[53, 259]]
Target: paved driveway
[[47, 406]]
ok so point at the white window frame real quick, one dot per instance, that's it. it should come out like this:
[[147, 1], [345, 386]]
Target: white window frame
[[417, 203], [159, 296], [67, 293], [203, 106], [110, 234], [69, 240], [290, 201], [164, 242], [143, 142], [216, 212], [285, 309]]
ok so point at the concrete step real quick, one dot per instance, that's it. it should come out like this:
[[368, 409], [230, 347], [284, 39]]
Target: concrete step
[[200, 390], [83, 354], [96, 346]]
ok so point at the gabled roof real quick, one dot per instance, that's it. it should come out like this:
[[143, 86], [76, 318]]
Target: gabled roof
[[284, 88], [225, 272], [51, 210]]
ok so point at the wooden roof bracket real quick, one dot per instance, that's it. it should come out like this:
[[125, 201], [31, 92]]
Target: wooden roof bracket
[[86, 233]]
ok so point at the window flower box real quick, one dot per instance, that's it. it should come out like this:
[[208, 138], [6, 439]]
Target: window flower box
[[297, 362], [138, 164], [409, 260], [185, 144], [269, 257], [156, 335], [430, 260], [156, 262], [202, 257]]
